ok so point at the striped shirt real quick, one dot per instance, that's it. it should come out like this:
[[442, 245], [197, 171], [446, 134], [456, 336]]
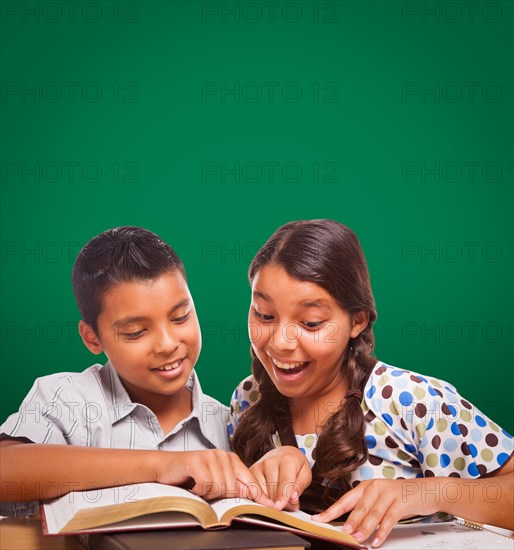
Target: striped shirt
[[93, 409]]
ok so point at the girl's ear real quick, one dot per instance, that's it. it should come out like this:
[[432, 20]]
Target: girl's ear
[[360, 321], [90, 338]]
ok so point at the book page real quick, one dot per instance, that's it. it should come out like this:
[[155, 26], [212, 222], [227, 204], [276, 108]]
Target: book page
[[442, 536], [60, 511]]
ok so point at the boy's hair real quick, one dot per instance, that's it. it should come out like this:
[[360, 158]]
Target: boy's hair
[[118, 255]]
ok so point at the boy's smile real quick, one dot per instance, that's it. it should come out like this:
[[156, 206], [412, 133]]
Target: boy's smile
[[150, 333]]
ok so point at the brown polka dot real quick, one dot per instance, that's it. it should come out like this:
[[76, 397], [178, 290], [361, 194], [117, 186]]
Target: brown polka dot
[[491, 440], [454, 474], [465, 403], [390, 442], [414, 463], [356, 482], [463, 429], [231, 409], [247, 385], [375, 460], [416, 379], [380, 370], [420, 410], [403, 424], [436, 442], [387, 392], [482, 470], [435, 390], [446, 411], [428, 473], [370, 415], [465, 450]]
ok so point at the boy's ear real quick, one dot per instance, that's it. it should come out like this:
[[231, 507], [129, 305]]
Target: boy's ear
[[360, 321], [89, 338]]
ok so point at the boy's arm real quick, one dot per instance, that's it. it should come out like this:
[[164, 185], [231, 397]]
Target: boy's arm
[[32, 471]]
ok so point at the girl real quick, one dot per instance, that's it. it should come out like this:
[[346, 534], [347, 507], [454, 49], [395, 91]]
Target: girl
[[384, 443]]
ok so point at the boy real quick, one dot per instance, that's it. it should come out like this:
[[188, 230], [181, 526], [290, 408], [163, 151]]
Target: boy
[[108, 425]]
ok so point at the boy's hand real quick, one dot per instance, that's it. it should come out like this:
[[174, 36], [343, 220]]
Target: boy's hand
[[283, 473], [379, 502], [210, 474]]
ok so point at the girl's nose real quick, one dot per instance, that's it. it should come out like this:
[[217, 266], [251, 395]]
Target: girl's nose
[[286, 336]]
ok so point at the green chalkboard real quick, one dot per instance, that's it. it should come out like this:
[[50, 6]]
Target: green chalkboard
[[212, 123]]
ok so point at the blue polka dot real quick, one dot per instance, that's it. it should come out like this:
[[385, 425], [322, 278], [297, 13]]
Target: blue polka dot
[[382, 453], [480, 421], [410, 448], [303, 450], [452, 410], [506, 434], [396, 372], [472, 450], [502, 457], [244, 405], [430, 424], [445, 460], [406, 398], [455, 429], [423, 443], [473, 470], [422, 378], [450, 445], [388, 418], [371, 442], [235, 394], [230, 429], [366, 472], [371, 392], [420, 475], [476, 434], [421, 458], [507, 444], [432, 391], [450, 389]]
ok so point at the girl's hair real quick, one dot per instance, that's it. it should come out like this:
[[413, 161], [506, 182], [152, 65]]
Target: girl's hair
[[327, 253]]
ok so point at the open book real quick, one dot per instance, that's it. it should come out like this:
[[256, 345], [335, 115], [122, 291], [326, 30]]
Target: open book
[[154, 506]]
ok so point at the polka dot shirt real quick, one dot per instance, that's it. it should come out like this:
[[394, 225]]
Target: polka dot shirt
[[416, 426]]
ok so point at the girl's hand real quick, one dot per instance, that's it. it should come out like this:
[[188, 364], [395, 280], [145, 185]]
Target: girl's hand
[[382, 502], [283, 474]]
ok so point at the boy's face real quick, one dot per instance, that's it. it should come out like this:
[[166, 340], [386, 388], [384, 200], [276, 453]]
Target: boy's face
[[150, 333]]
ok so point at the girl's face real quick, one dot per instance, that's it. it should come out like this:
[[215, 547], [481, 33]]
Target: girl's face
[[299, 333]]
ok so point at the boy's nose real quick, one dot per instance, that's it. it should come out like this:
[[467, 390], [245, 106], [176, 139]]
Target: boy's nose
[[166, 342]]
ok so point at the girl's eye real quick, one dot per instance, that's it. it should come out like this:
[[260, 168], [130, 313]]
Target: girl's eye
[[182, 319], [263, 316], [313, 324]]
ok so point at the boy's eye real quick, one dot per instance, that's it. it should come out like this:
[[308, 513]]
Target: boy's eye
[[133, 335], [181, 319], [313, 324], [263, 316]]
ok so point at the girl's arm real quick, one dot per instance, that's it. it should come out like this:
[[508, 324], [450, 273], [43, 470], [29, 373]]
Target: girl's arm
[[32, 471], [487, 500]]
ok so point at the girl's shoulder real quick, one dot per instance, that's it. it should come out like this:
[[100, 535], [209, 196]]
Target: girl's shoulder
[[393, 392], [388, 380]]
